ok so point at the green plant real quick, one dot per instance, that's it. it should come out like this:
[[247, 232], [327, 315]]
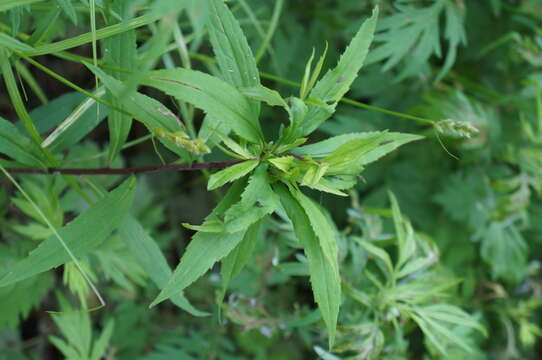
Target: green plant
[[291, 244]]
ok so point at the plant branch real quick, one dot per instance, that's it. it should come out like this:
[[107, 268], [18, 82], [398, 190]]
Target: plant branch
[[126, 171]]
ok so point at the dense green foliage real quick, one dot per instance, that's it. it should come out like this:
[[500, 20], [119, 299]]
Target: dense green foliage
[[368, 185]]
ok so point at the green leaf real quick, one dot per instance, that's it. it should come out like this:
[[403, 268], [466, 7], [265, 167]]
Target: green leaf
[[324, 275], [119, 53], [76, 125], [18, 299], [389, 142], [232, 52], [405, 241], [231, 173], [377, 253], [152, 260], [220, 100], [257, 200], [264, 94], [213, 222], [346, 158], [239, 257], [53, 112], [82, 235], [69, 10], [436, 322], [19, 147], [9, 4], [321, 227], [153, 114], [505, 250], [204, 250], [297, 113], [12, 43], [100, 346], [332, 87]]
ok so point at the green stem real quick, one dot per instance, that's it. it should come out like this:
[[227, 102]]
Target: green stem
[[270, 31], [353, 102]]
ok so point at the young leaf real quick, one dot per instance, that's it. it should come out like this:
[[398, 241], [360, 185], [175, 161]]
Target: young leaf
[[264, 94], [204, 250], [221, 101], [232, 52], [346, 159], [257, 200], [231, 173], [332, 87], [324, 274], [82, 235]]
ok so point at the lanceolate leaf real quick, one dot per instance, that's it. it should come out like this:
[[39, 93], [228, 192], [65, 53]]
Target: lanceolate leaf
[[321, 227], [220, 100], [239, 257], [257, 200], [204, 250], [231, 173], [152, 260], [332, 87], [389, 141], [325, 279], [82, 235], [264, 94], [145, 109], [346, 159], [231, 49]]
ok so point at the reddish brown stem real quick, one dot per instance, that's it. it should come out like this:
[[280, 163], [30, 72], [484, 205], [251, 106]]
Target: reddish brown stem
[[125, 171]]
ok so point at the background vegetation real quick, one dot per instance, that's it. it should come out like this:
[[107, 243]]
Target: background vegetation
[[438, 242]]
